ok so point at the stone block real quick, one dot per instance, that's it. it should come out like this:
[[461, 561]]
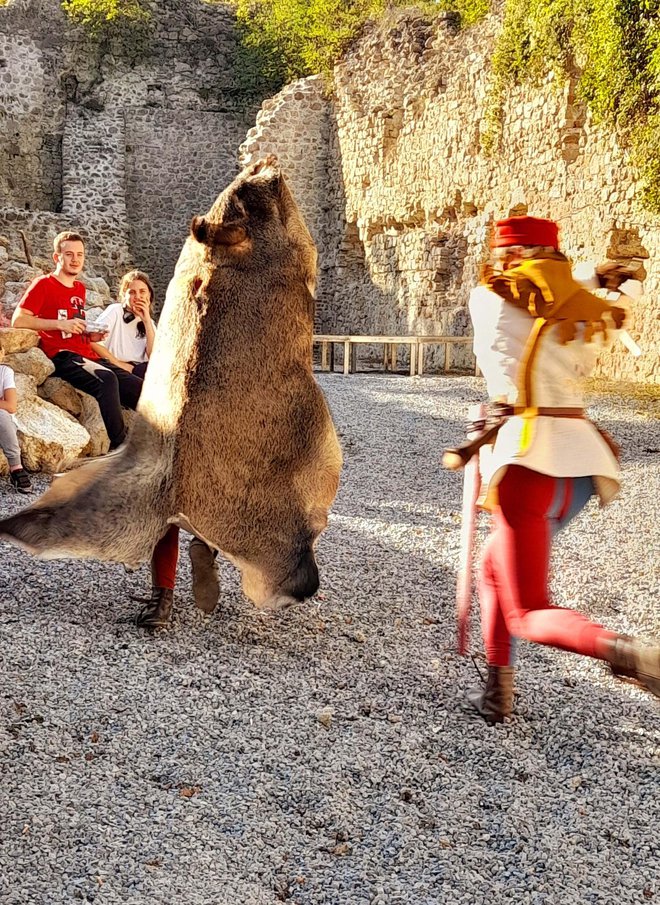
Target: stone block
[[93, 314], [12, 294], [32, 362], [94, 300], [20, 272], [50, 438], [26, 388], [13, 340], [62, 394]]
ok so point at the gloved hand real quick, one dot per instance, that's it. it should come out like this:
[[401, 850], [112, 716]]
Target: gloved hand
[[611, 274]]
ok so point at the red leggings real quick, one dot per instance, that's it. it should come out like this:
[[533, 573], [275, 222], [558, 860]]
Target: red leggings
[[513, 586], [165, 558]]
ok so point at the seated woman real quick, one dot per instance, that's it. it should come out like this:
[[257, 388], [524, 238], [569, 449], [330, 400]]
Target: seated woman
[[131, 330]]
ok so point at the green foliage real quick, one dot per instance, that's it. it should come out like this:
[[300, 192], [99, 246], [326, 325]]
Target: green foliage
[[99, 15], [614, 45], [282, 40]]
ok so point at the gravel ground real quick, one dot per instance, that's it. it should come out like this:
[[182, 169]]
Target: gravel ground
[[324, 755]]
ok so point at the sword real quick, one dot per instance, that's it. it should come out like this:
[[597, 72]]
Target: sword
[[471, 488]]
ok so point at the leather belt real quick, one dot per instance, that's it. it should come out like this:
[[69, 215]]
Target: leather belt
[[486, 428], [548, 412], [498, 412]]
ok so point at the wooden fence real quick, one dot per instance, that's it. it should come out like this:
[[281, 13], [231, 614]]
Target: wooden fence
[[390, 345]]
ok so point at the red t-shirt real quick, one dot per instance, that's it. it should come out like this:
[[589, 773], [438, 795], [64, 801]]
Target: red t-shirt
[[48, 298]]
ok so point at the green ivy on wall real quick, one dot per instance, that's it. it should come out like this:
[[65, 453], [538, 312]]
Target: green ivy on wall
[[613, 46], [97, 15], [282, 40]]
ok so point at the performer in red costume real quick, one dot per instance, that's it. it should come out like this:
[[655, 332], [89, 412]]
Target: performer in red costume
[[536, 335]]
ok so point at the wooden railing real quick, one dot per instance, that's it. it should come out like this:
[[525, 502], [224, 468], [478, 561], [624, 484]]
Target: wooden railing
[[390, 345]]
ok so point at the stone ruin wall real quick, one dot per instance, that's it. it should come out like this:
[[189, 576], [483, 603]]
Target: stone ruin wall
[[124, 139], [409, 197], [387, 166], [295, 125]]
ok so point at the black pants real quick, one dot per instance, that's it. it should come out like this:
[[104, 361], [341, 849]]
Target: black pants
[[140, 369], [112, 387]]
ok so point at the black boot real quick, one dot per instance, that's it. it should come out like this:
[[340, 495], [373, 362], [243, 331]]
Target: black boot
[[631, 658], [157, 609], [495, 701], [206, 585]]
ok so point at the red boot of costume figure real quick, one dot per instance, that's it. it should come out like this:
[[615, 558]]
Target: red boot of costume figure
[[494, 702], [157, 609], [632, 659]]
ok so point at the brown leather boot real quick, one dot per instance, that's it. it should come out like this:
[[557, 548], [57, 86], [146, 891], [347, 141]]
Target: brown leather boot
[[632, 658], [495, 701], [206, 585], [157, 609]]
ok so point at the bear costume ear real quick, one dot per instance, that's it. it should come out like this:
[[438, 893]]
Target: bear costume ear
[[200, 229]]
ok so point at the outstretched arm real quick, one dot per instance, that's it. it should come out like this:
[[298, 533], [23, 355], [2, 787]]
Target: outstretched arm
[[104, 353]]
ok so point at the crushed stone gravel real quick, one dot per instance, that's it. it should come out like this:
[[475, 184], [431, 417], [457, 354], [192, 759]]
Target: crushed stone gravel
[[324, 755]]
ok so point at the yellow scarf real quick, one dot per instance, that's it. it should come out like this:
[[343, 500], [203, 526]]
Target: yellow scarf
[[546, 289]]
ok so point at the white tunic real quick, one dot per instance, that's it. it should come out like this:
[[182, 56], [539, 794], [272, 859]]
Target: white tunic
[[123, 340], [561, 447]]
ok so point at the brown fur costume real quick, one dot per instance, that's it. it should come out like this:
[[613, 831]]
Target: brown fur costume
[[233, 439]]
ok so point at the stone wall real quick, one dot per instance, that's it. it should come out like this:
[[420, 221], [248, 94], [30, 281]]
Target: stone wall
[[295, 125], [409, 195], [177, 162], [128, 137], [123, 138], [410, 106], [30, 122]]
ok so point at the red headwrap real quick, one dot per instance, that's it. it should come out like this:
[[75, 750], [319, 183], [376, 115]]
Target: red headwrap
[[525, 231]]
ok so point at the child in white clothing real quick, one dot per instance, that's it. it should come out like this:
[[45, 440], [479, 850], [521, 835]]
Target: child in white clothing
[[8, 436]]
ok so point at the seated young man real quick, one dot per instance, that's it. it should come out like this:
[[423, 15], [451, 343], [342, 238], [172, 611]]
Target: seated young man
[[54, 306]]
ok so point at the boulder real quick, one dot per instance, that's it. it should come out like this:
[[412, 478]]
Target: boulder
[[4, 255], [93, 300], [32, 362], [90, 418], [26, 388], [12, 294], [13, 340], [20, 272], [50, 438], [92, 314], [98, 286], [62, 394]]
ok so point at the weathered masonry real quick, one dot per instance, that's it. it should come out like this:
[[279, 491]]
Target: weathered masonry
[[128, 139]]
